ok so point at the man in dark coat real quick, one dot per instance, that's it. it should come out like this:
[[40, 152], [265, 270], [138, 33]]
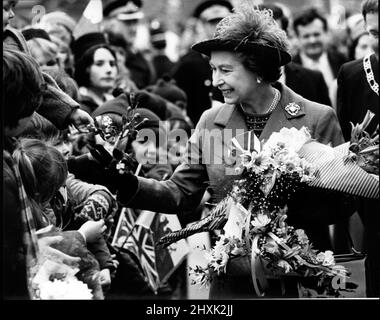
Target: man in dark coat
[[312, 31], [308, 83], [358, 92]]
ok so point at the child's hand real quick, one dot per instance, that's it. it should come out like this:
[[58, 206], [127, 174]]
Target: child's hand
[[92, 230], [105, 279]]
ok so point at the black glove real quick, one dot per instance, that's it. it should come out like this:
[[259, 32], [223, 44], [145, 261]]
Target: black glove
[[101, 155], [119, 178]]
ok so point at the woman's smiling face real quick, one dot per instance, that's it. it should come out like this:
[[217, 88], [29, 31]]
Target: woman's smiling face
[[236, 83]]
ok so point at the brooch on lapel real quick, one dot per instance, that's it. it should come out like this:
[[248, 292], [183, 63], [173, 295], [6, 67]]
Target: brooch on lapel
[[292, 108]]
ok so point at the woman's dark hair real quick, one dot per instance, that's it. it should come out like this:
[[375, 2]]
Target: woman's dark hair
[[308, 16], [23, 85], [370, 6], [81, 74], [43, 171], [267, 71]]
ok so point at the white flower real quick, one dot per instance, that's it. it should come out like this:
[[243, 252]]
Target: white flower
[[64, 290], [260, 221], [292, 139], [257, 162], [326, 258], [301, 236], [284, 265]]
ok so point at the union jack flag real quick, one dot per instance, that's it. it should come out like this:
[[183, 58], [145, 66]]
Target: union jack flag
[[140, 235]]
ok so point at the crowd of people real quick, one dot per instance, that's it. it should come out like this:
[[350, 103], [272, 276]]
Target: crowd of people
[[77, 102]]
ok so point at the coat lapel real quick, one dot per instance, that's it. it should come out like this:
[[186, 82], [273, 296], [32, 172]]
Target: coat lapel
[[281, 118]]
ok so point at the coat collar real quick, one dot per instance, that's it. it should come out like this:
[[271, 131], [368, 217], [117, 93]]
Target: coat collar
[[231, 117]]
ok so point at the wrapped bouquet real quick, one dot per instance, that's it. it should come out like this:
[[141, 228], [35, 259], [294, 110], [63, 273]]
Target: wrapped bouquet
[[256, 238]]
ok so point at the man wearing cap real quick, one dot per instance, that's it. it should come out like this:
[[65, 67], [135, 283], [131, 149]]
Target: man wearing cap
[[122, 17], [192, 72]]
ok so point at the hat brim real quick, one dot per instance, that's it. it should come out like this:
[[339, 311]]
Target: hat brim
[[264, 53]]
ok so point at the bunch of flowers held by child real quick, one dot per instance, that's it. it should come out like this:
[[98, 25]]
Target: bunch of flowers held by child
[[256, 228]]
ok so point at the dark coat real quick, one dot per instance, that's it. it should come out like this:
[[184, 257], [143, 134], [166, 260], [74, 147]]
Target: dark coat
[[14, 285], [355, 96], [336, 59], [310, 84], [193, 75]]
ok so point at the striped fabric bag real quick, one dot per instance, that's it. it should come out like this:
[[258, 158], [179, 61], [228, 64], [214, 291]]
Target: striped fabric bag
[[336, 172]]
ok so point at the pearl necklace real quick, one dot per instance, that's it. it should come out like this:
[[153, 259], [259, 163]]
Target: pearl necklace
[[273, 105], [369, 74]]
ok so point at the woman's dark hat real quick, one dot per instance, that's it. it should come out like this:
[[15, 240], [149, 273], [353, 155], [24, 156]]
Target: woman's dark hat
[[263, 52], [87, 41]]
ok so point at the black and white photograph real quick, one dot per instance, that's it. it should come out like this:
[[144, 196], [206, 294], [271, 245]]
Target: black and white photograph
[[190, 158]]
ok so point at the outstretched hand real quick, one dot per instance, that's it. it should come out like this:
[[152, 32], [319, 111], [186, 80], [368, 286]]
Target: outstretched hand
[[80, 117]]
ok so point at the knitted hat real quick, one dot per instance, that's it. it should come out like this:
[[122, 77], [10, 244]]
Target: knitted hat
[[153, 102], [124, 10], [59, 17], [167, 89], [153, 120], [216, 9], [32, 33], [118, 105], [87, 41]]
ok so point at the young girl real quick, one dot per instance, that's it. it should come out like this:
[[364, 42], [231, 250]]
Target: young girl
[[43, 171]]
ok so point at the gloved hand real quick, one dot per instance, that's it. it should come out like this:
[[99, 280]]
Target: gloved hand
[[101, 155], [119, 176]]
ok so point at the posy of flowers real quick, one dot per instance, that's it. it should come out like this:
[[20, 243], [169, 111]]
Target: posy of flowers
[[256, 227]]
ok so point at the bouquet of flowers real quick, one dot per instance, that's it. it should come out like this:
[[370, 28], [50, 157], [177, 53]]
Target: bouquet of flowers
[[256, 227], [56, 276], [57, 281], [364, 148]]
